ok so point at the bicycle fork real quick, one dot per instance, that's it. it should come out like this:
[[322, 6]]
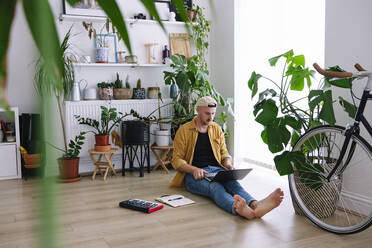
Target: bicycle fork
[[348, 133]]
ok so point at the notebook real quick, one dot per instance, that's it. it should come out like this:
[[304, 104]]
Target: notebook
[[175, 200], [227, 175]]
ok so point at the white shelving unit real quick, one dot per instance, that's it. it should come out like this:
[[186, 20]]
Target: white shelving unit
[[73, 18], [10, 157], [104, 65]]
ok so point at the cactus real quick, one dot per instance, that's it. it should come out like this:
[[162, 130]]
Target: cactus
[[118, 83], [139, 84], [127, 85]]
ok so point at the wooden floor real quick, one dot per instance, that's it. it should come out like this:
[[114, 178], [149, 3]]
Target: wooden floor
[[89, 216]]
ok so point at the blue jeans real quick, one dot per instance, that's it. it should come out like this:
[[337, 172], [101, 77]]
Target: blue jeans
[[221, 193]]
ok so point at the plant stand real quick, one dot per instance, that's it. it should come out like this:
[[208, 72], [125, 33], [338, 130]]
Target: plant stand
[[102, 165], [164, 158]]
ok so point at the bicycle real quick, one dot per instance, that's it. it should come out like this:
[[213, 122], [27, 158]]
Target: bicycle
[[332, 187]]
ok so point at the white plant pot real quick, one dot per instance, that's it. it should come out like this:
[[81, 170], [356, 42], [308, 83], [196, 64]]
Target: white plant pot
[[162, 137], [102, 55]]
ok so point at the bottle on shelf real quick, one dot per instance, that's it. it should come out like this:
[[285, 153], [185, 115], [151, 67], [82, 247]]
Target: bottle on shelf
[[165, 55]]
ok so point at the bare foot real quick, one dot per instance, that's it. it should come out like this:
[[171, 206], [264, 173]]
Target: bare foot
[[269, 203], [242, 208]]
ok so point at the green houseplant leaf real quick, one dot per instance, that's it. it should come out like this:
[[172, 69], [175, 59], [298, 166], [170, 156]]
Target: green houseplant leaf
[[348, 107], [252, 83]]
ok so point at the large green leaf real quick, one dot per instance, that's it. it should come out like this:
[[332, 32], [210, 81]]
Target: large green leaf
[[266, 112], [253, 83], [323, 100], [266, 93], [278, 136], [113, 12], [327, 113], [284, 162], [348, 107], [288, 55], [292, 122], [338, 82], [7, 9], [150, 6], [181, 9], [299, 60], [40, 19]]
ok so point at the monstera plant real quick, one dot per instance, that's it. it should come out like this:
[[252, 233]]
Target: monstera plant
[[284, 117]]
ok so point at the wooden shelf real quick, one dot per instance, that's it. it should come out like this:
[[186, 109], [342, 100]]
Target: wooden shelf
[[131, 22], [117, 65]]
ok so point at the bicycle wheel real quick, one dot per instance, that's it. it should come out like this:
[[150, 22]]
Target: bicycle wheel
[[344, 204]]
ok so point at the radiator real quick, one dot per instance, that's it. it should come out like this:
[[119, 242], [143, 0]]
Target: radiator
[[92, 110]]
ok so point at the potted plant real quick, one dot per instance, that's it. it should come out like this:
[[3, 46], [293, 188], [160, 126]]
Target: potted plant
[[110, 118], [139, 92], [191, 80], [102, 46], [45, 84], [162, 134], [119, 91], [69, 162], [105, 90], [285, 118]]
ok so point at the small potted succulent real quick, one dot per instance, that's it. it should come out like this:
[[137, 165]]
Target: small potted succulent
[[119, 91], [110, 118], [105, 90], [138, 92]]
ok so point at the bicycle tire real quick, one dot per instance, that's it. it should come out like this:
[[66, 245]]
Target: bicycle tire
[[347, 207]]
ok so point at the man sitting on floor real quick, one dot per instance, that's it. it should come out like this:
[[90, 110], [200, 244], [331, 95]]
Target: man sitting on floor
[[199, 148]]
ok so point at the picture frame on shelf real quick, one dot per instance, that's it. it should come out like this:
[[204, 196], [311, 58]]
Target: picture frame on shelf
[[107, 40], [83, 8], [180, 44], [163, 9]]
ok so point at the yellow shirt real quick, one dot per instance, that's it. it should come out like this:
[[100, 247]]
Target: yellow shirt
[[184, 144]]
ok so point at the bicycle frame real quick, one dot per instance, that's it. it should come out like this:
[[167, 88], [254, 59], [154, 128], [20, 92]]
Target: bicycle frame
[[354, 129]]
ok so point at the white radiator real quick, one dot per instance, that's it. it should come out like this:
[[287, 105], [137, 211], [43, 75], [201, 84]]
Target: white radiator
[[92, 110]]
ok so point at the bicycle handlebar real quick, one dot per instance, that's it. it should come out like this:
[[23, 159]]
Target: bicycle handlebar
[[359, 67], [337, 74]]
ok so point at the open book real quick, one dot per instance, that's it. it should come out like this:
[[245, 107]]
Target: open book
[[175, 200]]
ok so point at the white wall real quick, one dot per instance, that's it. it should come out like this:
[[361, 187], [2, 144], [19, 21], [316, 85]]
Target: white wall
[[264, 29], [22, 54], [222, 55], [348, 41]]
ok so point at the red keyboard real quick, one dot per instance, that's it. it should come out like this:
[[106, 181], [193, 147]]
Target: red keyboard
[[141, 205]]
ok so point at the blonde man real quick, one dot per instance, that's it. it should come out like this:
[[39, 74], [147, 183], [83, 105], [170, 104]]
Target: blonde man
[[200, 148]]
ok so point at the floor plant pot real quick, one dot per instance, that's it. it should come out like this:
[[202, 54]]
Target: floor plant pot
[[102, 143], [162, 137], [123, 93], [68, 170], [139, 93], [321, 202]]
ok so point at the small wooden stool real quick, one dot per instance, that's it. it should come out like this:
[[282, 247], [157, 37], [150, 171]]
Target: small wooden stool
[[165, 158], [102, 165]]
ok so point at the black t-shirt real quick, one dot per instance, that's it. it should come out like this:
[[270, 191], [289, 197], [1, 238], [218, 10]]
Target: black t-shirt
[[203, 153]]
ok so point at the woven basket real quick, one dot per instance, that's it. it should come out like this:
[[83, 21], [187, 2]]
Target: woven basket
[[321, 202], [31, 160]]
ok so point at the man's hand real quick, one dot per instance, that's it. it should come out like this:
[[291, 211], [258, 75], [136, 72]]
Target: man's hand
[[227, 163], [199, 173], [229, 166]]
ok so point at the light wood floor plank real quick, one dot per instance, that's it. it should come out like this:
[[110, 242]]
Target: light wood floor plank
[[89, 216]]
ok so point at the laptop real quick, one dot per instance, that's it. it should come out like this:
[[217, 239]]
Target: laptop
[[227, 175]]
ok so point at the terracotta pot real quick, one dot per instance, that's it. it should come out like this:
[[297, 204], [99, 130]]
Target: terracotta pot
[[191, 14], [68, 168], [102, 140]]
